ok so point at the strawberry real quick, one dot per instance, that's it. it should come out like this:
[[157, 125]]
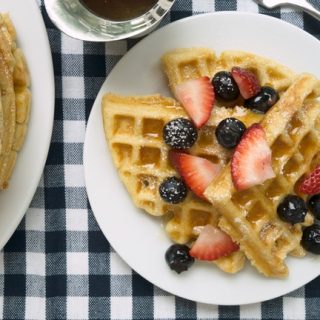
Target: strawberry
[[212, 244], [196, 172], [247, 82], [197, 97], [251, 161], [311, 184]]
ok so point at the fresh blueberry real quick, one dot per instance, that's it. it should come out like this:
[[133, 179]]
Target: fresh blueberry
[[314, 205], [229, 132], [311, 239], [180, 133], [224, 86], [178, 258], [292, 209], [173, 190], [263, 101]]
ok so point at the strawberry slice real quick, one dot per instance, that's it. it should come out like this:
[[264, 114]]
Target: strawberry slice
[[197, 97], [251, 161], [247, 82], [212, 244], [311, 184], [196, 172]]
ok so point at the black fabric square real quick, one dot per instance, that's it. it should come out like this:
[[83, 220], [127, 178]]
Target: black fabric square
[[94, 65], [57, 66], [312, 289], [88, 105], [55, 198], [140, 286], [55, 241], [98, 242], [15, 285], [56, 155], [56, 286], [311, 25], [177, 15], [17, 242], [99, 285], [58, 110], [186, 309]]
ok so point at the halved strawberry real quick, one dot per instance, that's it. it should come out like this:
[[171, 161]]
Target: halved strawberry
[[311, 184], [247, 82], [196, 172], [251, 161], [197, 97], [212, 244]]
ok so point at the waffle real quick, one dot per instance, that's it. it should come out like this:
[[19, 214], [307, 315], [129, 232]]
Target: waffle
[[141, 157], [15, 99], [292, 128], [190, 63]]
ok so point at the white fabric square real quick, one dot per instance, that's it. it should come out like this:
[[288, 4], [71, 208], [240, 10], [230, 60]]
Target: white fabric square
[[206, 311], [77, 263], [121, 308], [118, 266], [250, 311], [74, 175], [36, 263], [73, 87], [74, 131], [70, 45], [35, 219], [293, 308], [77, 219], [77, 308], [164, 307], [35, 308], [203, 6], [245, 5], [116, 47]]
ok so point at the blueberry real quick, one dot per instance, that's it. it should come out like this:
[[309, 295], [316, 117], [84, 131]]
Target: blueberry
[[311, 239], [173, 190], [224, 86], [292, 209], [229, 132], [180, 133], [263, 101], [314, 205], [178, 258]]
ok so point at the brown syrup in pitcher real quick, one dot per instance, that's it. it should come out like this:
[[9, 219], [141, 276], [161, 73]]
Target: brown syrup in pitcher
[[118, 10]]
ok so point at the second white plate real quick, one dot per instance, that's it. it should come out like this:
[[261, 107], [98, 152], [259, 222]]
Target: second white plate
[[138, 238], [32, 38]]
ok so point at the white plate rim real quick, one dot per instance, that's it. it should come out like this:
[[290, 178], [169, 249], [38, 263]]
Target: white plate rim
[[95, 114], [40, 67]]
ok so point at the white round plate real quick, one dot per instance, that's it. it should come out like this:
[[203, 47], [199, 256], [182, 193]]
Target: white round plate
[[140, 239], [32, 38]]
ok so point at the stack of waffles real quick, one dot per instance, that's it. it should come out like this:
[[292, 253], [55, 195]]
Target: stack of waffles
[[15, 99], [133, 128]]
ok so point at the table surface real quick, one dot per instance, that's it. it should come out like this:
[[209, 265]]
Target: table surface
[[58, 264]]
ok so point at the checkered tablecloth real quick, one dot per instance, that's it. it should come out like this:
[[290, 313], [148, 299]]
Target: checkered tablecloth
[[58, 264]]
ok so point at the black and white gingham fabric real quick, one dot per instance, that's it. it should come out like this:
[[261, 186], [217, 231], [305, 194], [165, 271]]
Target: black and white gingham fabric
[[58, 265]]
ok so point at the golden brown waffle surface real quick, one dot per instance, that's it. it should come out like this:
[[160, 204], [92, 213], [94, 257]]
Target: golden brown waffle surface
[[133, 127], [141, 157], [249, 217], [15, 99]]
